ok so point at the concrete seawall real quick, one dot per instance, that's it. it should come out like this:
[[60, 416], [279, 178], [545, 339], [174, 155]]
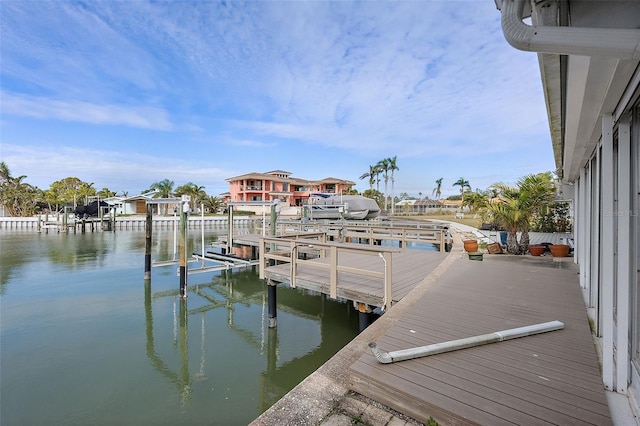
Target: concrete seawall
[[128, 222]]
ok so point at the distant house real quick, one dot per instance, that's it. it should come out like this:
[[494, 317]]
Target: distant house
[[427, 205], [450, 204], [406, 205], [136, 205], [252, 188]]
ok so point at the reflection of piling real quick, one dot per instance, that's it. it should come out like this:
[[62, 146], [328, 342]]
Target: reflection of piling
[[272, 351], [147, 243], [183, 253], [184, 351], [271, 299]]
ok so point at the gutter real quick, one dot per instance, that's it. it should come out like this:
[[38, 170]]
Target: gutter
[[621, 43]]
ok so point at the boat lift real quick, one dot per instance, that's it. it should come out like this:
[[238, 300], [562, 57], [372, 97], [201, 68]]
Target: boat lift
[[222, 261]]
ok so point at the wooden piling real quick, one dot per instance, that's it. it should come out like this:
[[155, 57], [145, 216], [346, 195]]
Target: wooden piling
[[147, 243], [230, 229], [183, 253]]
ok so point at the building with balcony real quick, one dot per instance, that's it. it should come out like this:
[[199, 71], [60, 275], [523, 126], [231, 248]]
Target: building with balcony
[[280, 185]]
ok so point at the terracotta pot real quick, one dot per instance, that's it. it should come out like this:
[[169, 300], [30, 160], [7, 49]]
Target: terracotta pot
[[536, 250], [559, 250], [470, 246]]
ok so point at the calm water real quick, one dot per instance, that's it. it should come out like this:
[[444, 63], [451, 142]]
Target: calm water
[[85, 341]]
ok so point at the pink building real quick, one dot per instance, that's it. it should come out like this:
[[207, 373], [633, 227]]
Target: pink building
[[278, 184]]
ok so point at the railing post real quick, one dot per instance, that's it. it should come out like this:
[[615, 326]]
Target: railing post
[[262, 258], [333, 278], [294, 262]]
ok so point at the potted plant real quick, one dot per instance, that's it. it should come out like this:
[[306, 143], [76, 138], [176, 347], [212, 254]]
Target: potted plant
[[559, 250], [470, 246], [536, 249], [475, 255]]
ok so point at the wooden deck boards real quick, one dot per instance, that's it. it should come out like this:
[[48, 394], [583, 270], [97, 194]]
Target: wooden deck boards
[[551, 378], [409, 268]]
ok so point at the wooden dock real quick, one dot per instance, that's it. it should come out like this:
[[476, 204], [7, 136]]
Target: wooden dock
[[376, 276], [551, 378]]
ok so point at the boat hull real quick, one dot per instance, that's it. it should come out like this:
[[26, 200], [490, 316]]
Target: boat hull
[[351, 207]]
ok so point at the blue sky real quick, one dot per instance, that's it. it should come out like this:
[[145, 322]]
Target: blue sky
[[127, 93]]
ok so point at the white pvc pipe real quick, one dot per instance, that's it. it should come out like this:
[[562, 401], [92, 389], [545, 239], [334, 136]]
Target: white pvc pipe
[[175, 235], [623, 43], [468, 342]]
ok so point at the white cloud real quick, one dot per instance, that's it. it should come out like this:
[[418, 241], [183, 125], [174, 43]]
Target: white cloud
[[84, 112], [260, 85]]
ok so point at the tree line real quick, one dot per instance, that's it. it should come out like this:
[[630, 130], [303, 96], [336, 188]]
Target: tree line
[[528, 205], [20, 198]]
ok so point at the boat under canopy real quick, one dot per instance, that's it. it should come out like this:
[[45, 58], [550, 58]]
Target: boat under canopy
[[351, 207]]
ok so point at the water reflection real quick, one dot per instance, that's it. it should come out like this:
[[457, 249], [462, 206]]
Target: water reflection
[[180, 378], [86, 341], [288, 353]]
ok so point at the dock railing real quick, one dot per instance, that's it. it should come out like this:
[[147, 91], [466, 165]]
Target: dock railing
[[373, 233], [287, 249]]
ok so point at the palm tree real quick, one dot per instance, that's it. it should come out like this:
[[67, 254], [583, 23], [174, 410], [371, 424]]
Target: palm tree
[[463, 183], [476, 201], [213, 203], [383, 165], [378, 171], [106, 193], [371, 175], [164, 189], [18, 197], [196, 193], [508, 214], [437, 190], [393, 167], [537, 193], [521, 204], [5, 173]]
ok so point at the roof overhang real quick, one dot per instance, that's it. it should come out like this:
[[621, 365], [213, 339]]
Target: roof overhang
[[588, 51]]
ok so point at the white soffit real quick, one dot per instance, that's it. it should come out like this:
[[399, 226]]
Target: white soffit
[[594, 87], [552, 88]]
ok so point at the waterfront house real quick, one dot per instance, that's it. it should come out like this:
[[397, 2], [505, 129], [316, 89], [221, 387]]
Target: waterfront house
[[589, 56], [450, 204], [136, 204], [292, 192]]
